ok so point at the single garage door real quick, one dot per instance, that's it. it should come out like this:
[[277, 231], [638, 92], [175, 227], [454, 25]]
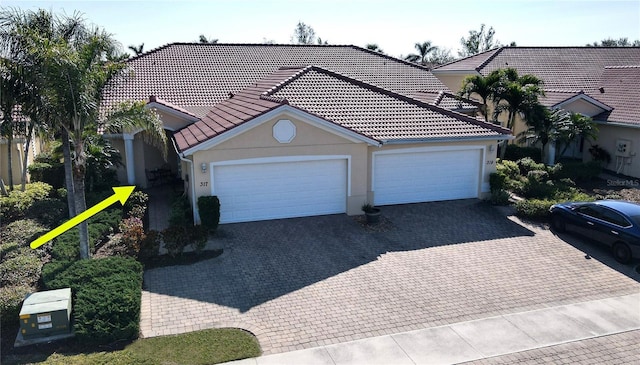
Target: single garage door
[[415, 177], [260, 191]]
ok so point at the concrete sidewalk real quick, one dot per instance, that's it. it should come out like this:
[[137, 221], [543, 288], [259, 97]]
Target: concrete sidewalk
[[478, 339]]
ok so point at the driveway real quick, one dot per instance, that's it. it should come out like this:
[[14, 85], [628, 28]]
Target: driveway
[[306, 282]]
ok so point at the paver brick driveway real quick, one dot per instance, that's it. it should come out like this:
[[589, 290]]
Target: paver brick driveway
[[305, 282]]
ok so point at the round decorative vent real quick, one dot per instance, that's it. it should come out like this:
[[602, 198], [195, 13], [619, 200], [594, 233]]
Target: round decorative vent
[[284, 131]]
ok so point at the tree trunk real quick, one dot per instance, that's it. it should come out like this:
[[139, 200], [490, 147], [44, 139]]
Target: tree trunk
[[23, 177], [79, 172], [68, 173], [10, 159]]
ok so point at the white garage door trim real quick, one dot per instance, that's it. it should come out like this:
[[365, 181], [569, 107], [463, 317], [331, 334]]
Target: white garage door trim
[[385, 200], [215, 167]]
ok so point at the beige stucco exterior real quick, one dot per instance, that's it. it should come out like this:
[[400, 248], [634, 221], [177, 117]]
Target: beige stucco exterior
[[312, 139], [608, 135], [16, 158]]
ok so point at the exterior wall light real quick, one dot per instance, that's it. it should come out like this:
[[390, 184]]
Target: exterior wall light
[[203, 166]]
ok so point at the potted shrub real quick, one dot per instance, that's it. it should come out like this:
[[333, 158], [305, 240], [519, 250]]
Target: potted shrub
[[372, 213]]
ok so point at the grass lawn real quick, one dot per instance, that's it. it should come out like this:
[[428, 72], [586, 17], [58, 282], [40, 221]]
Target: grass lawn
[[210, 346]]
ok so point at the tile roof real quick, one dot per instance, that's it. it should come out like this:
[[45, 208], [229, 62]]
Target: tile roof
[[194, 76], [353, 104], [565, 70], [620, 87], [445, 100]]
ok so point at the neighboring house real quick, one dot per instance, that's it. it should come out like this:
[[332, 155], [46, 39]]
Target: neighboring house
[[599, 82], [279, 131]]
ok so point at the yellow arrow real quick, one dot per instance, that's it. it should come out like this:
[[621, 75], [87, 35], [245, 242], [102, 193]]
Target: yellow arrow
[[120, 194]]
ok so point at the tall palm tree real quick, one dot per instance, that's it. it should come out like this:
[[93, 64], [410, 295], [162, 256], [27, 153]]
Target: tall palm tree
[[544, 126], [137, 50], [374, 47], [422, 57], [76, 63], [483, 86], [515, 94]]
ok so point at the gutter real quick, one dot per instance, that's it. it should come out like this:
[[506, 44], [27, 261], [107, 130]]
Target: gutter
[[196, 216], [617, 124]]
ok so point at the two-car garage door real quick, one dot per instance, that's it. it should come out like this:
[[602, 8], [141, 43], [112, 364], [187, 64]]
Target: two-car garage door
[[280, 189], [421, 176]]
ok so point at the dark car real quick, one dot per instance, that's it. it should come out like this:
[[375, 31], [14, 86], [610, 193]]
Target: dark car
[[612, 222]]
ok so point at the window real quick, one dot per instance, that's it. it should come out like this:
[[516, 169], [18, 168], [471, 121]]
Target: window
[[614, 218], [591, 211]]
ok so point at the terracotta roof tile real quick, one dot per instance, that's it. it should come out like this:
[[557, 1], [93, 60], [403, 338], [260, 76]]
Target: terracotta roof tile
[[620, 88], [567, 71], [353, 104], [197, 75]]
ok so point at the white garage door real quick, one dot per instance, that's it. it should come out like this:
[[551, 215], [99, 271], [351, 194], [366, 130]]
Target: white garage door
[[260, 191], [415, 177]]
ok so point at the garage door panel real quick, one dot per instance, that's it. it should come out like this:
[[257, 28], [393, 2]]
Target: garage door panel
[[250, 192], [426, 176]]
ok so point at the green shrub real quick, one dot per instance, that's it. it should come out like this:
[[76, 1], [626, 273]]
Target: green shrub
[[22, 231], [15, 205], [198, 237], [209, 209], [11, 298], [600, 155], [579, 171], [515, 153], [150, 245], [21, 269], [509, 168], [50, 172], [181, 213], [528, 164], [534, 208], [538, 175], [50, 212], [106, 297], [67, 245], [497, 181], [499, 197], [175, 239]]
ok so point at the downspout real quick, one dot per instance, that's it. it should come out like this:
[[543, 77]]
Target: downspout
[[196, 216]]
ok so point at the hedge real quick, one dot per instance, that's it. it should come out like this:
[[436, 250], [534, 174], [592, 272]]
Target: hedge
[[515, 152], [106, 296], [67, 246], [15, 205], [209, 209]]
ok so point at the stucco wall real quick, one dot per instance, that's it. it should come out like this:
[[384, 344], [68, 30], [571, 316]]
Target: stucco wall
[[607, 137], [259, 142], [16, 159]]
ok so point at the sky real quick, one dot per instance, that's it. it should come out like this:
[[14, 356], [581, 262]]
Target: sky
[[395, 25]]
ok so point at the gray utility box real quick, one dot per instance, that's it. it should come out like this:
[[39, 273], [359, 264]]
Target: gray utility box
[[46, 313]]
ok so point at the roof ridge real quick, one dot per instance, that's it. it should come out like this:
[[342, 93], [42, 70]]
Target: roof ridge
[[146, 53], [413, 64], [622, 66], [288, 80], [496, 51]]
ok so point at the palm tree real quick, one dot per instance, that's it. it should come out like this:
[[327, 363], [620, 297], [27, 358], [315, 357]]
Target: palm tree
[[578, 126], [544, 126], [515, 94], [483, 86], [424, 49], [137, 50], [77, 69], [374, 47], [205, 40]]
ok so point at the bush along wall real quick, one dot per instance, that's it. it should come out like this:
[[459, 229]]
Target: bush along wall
[[106, 296], [209, 209]]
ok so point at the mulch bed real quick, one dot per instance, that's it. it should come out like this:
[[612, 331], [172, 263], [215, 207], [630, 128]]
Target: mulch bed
[[623, 188]]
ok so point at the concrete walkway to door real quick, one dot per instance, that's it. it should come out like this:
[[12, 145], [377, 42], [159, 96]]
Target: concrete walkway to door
[[319, 281]]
